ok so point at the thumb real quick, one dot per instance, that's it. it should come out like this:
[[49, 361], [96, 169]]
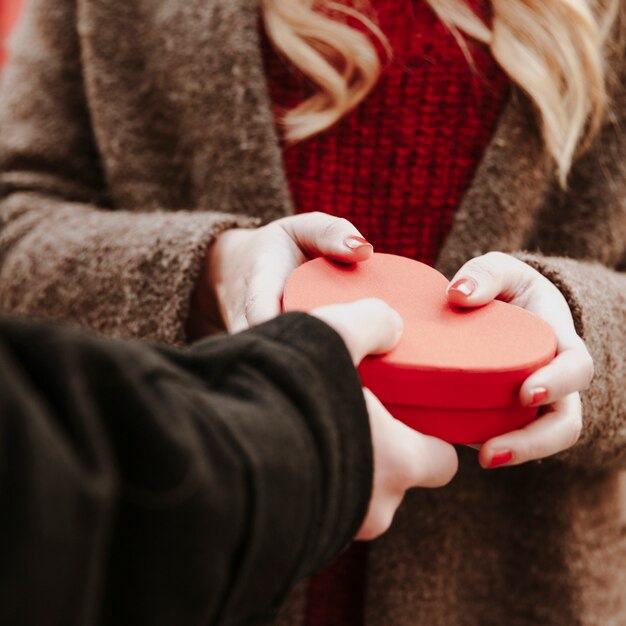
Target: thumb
[[484, 278], [319, 234], [368, 326]]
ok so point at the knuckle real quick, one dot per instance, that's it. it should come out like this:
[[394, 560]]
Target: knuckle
[[376, 306], [344, 226], [495, 256], [520, 277], [329, 229], [446, 475], [574, 430], [433, 468], [532, 450], [386, 519], [588, 367], [453, 468], [379, 521], [440, 474], [496, 260], [484, 266], [334, 226]]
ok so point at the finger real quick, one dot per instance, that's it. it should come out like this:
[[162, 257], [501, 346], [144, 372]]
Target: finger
[[500, 275], [549, 434], [380, 514], [484, 278], [390, 479], [436, 461], [368, 326], [319, 234], [421, 461], [570, 371], [403, 459]]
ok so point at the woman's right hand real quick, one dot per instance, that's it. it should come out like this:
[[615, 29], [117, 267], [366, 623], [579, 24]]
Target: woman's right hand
[[246, 270], [403, 458]]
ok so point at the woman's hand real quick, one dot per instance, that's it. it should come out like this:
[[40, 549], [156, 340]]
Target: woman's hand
[[554, 387], [403, 458], [246, 269]]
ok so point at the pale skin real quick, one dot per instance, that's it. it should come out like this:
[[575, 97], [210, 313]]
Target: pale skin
[[403, 458], [246, 270]]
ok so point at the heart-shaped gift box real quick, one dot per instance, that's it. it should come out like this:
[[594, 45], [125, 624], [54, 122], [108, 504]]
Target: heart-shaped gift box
[[456, 373]]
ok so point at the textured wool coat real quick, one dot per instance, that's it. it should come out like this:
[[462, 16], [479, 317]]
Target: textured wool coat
[[132, 133]]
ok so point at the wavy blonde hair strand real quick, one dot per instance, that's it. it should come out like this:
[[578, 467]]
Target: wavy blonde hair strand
[[552, 49]]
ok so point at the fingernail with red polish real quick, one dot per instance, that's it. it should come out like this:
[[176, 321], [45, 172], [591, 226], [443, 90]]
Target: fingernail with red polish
[[354, 243], [501, 458], [465, 286], [538, 395]]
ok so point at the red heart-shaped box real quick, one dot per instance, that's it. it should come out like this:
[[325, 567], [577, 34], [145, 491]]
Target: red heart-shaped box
[[456, 373]]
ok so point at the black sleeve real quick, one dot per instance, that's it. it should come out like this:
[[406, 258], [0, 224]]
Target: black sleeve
[[141, 485]]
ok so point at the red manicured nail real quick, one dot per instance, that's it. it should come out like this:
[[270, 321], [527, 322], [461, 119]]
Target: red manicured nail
[[353, 242], [501, 458], [538, 395], [465, 286]]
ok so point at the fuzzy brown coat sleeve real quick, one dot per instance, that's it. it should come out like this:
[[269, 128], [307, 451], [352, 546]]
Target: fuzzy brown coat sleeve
[[597, 299], [64, 253]]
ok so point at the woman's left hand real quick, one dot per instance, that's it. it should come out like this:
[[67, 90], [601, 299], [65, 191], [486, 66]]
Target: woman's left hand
[[554, 387]]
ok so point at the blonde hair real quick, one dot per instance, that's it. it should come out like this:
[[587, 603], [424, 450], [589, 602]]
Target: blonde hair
[[552, 49]]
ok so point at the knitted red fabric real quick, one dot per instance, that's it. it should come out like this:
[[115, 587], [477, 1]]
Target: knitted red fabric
[[397, 167]]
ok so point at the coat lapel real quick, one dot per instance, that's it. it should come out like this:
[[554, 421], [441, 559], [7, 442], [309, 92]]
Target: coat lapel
[[498, 210], [243, 129]]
